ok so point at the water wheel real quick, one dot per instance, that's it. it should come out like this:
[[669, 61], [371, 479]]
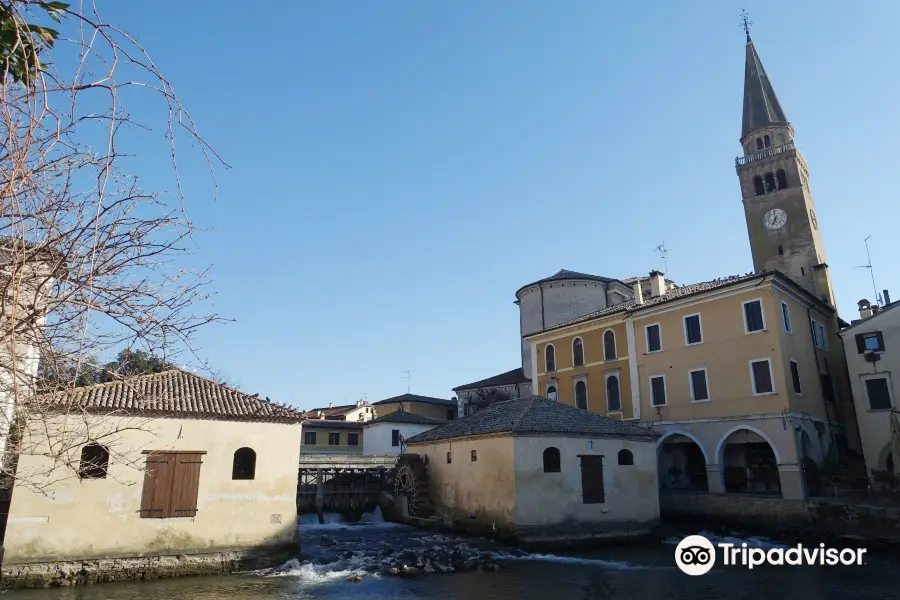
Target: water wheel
[[411, 482]]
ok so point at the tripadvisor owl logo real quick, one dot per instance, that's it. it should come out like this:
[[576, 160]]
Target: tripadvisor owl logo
[[696, 555]]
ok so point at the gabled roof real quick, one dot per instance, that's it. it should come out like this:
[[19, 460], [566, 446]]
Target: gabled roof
[[631, 307], [761, 106], [416, 398], [172, 393], [399, 416], [509, 378], [535, 416], [883, 310], [564, 275], [330, 411], [331, 424]]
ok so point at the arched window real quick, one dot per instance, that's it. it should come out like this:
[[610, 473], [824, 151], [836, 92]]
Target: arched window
[[581, 395], [449, 458], [626, 458], [551, 392], [94, 462], [758, 188], [767, 142], [613, 398], [474, 455], [578, 352], [782, 179], [550, 357], [770, 182], [609, 345], [551, 460], [244, 465], [759, 144]]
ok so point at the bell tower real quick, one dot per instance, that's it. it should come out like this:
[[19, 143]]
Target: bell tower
[[778, 204]]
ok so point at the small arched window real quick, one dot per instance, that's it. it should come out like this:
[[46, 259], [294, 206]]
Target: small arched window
[[94, 462], [551, 392], [581, 395], [613, 398], [758, 188], [626, 458], [474, 455], [770, 182], [244, 465], [609, 345], [449, 458], [551, 460], [780, 251], [781, 177], [578, 352], [759, 144], [550, 358], [767, 142]]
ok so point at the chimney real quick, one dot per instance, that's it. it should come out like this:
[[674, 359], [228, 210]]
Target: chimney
[[359, 403], [638, 293], [887, 297], [657, 284], [865, 309], [329, 405]]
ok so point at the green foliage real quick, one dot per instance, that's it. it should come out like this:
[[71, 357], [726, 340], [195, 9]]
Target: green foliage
[[132, 362], [22, 43]]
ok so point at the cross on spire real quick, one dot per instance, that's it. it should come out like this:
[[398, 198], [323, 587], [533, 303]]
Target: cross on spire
[[746, 23]]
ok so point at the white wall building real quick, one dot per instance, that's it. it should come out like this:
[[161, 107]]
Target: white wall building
[[872, 347], [384, 434]]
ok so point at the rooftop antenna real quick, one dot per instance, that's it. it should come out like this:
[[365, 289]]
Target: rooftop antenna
[[745, 23], [664, 252], [868, 265], [408, 376]]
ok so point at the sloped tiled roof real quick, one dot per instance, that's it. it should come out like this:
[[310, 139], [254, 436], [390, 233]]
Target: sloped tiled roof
[[400, 416], [416, 398], [173, 393], [509, 378], [330, 411], [332, 424], [565, 274], [674, 294], [535, 416]]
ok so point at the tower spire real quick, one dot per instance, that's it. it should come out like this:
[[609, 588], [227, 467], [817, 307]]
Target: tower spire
[[761, 106], [746, 23]]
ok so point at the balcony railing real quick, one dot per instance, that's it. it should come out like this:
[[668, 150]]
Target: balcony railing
[[746, 160]]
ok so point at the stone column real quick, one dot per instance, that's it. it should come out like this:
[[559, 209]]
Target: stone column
[[714, 479], [793, 482], [320, 496]]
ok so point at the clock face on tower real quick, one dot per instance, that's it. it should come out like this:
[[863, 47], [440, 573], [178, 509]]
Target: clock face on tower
[[775, 219]]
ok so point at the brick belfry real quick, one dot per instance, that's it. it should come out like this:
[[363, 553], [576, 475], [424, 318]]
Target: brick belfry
[[781, 217]]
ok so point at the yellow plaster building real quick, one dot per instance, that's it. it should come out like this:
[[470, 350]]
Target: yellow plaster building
[[744, 378]]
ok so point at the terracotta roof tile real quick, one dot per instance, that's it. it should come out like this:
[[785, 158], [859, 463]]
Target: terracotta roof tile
[[535, 415], [170, 393]]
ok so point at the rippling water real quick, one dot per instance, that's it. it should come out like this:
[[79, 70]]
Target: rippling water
[[336, 551]]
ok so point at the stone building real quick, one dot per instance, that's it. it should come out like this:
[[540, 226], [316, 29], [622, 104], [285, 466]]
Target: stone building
[[388, 434], [743, 376], [872, 347], [505, 386], [182, 476], [441, 409], [534, 469]]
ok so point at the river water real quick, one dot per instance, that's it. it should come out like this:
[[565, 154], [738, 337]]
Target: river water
[[335, 552]]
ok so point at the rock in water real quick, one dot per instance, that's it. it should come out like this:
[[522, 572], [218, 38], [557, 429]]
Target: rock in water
[[428, 569], [409, 572], [355, 578]]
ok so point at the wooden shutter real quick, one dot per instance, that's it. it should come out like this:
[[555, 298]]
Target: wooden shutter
[[159, 473], [592, 479], [860, 344], [186, 485]]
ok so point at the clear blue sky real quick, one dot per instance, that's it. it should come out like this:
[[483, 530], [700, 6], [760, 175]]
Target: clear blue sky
[[400, 168]]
